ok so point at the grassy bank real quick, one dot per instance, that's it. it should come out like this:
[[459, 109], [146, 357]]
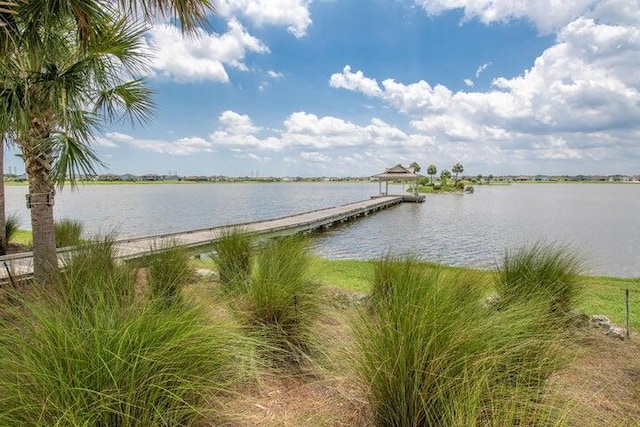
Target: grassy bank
[[276, 338], [601, 295]]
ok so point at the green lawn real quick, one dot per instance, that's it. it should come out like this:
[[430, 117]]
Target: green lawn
[[22, 237], [602, 295]]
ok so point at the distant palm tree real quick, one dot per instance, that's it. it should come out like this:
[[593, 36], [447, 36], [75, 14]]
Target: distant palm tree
[[415, 167], [457, 168], [445, 175], [432, 170]]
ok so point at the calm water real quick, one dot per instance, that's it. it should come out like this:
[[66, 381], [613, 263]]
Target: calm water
[[601, 221]]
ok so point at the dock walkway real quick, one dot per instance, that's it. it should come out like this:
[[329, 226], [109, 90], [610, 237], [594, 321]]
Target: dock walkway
[[126, 249]]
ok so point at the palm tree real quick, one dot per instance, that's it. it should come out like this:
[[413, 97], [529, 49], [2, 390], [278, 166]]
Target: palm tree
[[66, 69], [432, 170], [3, 219], [35, 15], [53, 102], [415, 167], [457, 168], [445, 175]]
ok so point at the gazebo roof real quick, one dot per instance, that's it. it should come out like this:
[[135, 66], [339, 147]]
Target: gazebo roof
[[398, 172]]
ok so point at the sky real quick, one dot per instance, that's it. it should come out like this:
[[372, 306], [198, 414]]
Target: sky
[[352, 87]]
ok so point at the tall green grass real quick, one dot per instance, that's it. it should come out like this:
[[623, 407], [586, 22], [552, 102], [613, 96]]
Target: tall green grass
[[92, 278], [11, 226], [85, 356], [278, 301], [541, 270], [168, 271], [431, 352], [233, 256], [68, 232]]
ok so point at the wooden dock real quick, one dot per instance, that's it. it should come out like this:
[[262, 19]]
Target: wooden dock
[[126, 249]]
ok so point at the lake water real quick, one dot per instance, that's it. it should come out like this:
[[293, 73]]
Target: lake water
[[600, 221]]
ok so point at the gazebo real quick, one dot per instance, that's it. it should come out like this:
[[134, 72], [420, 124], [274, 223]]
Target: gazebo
[[397, 173]]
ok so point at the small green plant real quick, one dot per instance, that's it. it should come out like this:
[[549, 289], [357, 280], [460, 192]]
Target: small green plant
[[541, 270], [68, 232], [233, 256], [11, 226], [169, 270]]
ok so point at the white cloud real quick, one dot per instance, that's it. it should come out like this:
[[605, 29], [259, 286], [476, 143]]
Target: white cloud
[[203, 57], [482, 68], [179, 147], [547, 15], [354, 81], [237, 124], [117, 136], [579, 100], [104, 142], [305, 130], [314, 157], [274, 74], [252, 156], [294, 14], [468, 82]]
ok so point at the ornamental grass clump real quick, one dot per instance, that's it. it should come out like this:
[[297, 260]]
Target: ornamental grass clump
[[92, 278], [278, 301], [96, 359], [431, 352], [11, 226], [68, 232], [234, 252], [541, 270], [168, 271]]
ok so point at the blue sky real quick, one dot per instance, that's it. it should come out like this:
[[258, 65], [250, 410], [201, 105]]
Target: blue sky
[[350, 87]]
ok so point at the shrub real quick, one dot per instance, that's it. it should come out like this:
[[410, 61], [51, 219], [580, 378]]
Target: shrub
[[437, 187], [431, 353], [233, 256], [68, 232], [542, 270], [279, 301], [86, 360], [11, 226], [169, 270], [460, 185]]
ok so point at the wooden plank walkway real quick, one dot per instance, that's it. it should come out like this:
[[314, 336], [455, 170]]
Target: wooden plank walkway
[[126, 249]]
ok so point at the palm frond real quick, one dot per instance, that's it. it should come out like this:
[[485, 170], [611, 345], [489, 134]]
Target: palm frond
[[41, 16], [130, 100], [74, 157], [191, 13]]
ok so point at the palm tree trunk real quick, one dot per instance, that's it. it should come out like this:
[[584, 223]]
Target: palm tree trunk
[[3, 219], [41, 192]]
